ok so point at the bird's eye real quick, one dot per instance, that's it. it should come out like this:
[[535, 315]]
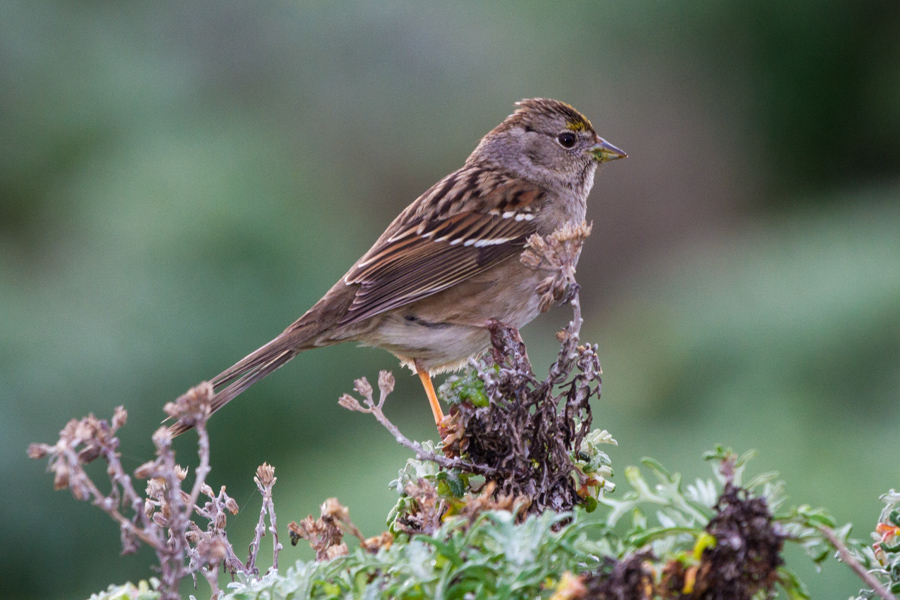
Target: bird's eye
[[566, 139]]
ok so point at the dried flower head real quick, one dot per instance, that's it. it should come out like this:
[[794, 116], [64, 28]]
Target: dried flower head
[[193, 406], [230, 503], [350, 403], [424, 512], [120, 417], [385, 382], [336, 551], [332, 509], [321, 534], [60, 475], [39, 450], [363, 387], [557, 252], [212, 551], [265, 475], [146, 470], [162, 437], [156, 488], [377, 542]]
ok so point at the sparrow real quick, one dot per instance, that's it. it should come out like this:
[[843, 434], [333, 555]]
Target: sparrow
[[448, 266]]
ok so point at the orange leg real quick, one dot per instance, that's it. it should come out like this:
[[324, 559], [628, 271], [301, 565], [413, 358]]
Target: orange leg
[[432, 397]]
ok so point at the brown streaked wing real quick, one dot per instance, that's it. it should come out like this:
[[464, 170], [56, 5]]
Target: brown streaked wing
[[410, 266]]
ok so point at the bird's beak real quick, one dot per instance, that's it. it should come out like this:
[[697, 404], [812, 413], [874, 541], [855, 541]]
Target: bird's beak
[[603, 151]]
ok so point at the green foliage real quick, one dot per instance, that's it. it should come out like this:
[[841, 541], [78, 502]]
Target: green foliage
[[144, 590], [464, 388], [491, 555]]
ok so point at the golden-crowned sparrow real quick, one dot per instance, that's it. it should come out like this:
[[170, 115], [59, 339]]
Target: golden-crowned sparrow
[[447, 266]]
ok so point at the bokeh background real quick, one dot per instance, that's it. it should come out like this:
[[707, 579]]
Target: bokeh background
[[180, 181]]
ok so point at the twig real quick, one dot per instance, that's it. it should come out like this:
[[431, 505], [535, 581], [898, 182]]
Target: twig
[[202, 470], [265, 479], [385, 387], [162, 517], [854, 564]]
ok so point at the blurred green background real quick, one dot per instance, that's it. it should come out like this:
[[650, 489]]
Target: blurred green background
[[180, 181]]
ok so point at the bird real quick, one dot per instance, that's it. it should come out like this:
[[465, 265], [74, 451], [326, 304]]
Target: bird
[[446, 268]]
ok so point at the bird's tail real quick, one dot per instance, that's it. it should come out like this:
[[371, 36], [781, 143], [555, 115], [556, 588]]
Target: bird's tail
[[232, 381]]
